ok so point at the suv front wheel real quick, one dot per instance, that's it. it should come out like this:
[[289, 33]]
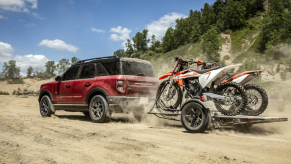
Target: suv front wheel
[[98, 109]]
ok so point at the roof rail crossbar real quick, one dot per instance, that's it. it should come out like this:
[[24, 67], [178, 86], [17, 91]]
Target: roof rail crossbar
[[107, 57]]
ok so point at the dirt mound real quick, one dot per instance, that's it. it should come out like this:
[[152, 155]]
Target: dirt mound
[[29, 85]]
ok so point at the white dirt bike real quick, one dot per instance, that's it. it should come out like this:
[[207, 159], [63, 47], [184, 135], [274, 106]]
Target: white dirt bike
[[199, 84]]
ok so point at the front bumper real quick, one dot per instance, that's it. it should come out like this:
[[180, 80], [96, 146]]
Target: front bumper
[[123, 100]]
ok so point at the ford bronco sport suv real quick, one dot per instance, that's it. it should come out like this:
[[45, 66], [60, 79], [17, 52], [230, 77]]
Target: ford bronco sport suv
[[99, 86]]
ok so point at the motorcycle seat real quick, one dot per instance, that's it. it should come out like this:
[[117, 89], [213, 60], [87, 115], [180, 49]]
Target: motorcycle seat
[[205, 70]]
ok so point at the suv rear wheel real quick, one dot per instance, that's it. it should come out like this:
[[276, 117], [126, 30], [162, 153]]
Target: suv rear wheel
[[98, 109], [45, 106]]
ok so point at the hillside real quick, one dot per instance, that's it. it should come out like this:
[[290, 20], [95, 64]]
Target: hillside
[[255, 33]]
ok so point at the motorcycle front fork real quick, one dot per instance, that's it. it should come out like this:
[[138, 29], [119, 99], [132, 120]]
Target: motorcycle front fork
[[169, 86]]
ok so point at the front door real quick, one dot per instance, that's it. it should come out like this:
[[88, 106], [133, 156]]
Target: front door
[[84, 83], [64, 89]]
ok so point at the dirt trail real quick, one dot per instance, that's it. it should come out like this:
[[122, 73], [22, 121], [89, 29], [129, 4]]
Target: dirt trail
[[26, 137]]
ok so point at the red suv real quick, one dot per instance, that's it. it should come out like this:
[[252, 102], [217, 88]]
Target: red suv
[[99, 86]]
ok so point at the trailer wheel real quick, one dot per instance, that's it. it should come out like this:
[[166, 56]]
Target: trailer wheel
[[194, 118]]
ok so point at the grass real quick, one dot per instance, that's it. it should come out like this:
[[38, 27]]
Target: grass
[[15, 81], [25, 92], [4, 93], [239, 37]]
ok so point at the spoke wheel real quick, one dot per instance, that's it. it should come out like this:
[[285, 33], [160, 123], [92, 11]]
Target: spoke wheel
[[194, 117], [235, 98], [257, 100], [171, 100], [98, 109], [45, 106]]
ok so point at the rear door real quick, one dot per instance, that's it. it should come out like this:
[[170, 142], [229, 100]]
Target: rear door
[[64, 89], [84, 83], [140, 79]]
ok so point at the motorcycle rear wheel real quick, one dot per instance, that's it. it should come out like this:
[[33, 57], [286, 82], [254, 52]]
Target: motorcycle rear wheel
[[257, 100], [235, 101]]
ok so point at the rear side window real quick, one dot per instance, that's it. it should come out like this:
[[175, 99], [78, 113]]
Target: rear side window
[[88, 71], [137, 69], [71, 73], [101, 71], [111, 68]]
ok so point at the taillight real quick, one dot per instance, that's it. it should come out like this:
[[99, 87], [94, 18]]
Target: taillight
[[120, 86]]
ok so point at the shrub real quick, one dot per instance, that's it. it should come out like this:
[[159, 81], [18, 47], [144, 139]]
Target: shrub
[[4, 93], [15, 81], [227, 31], [226, 57]]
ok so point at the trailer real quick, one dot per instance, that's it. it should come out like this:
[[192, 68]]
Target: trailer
[[214, 118]]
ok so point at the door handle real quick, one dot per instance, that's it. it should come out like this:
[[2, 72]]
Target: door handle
[[68, 85], [87, 84]]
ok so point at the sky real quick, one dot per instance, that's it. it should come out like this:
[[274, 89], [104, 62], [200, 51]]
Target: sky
[[33, 32]]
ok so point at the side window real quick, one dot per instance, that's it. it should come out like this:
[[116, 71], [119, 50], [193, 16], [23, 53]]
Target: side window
[[88, 71], [101, 71], [111, 68], [71, 73]]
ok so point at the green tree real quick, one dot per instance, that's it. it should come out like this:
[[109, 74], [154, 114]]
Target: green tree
[[211, 44], [29, 71], [120, 53], [140, 41], [208, 17], [74, 60], [168, 42], [63, 65], [153, 41], [234, 14], [194, 25], [10, 70], [275, 26], [129, 48], [50, 68]]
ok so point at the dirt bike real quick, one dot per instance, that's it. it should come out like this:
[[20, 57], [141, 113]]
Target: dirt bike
[[198, 84], [257, 96]]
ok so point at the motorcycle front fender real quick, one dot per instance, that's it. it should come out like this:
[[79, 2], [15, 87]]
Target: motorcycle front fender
[[165, 75]]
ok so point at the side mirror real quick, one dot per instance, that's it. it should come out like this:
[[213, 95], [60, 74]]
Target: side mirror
[[58, 78]]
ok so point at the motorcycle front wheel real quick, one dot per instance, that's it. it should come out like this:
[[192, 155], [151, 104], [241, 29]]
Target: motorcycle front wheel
[[171, 100]]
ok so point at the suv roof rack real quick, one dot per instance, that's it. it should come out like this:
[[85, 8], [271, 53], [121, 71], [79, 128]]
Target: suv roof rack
[[107, 57]]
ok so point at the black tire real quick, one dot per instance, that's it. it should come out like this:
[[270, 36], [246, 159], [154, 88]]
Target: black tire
[[237, 106], [98, 109], [86, 114], [194, 112], [259, 96], [46, 106], [176, 90]]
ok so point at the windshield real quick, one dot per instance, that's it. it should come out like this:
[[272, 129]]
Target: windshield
[[137, 69]]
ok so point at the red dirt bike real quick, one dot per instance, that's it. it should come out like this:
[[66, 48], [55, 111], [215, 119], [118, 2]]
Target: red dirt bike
[[257, 96]]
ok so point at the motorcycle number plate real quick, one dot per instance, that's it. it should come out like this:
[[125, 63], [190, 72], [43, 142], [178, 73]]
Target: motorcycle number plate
[[144, 100]]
